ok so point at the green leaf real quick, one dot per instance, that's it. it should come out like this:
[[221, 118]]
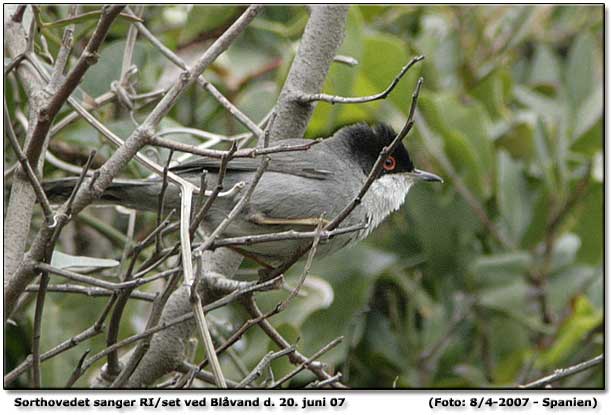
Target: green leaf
[[490, 91], [204, 19], [350, 272], [500, 268], [512, 196], [465, 156], [80, 263], [548, 108], [382, 344], [545, 68], [590, 226], [395, 57], [282, 366], [580, 70], [511, 301], [565, 250], [98, 78], [571, 334], [341, 81], [564, 285], [589, 113], [538, 224], [544, 156]]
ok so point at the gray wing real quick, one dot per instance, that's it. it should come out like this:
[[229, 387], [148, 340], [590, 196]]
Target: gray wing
[[296, 163]]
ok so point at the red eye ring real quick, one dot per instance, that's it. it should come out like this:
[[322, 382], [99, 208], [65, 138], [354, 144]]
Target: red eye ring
[[390, 163]]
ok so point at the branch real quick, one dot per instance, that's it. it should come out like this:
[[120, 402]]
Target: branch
[[305, 363], [25, 166], [563, 373], [334, 99], [218, 154], [295, 356], [373, 175], [318, 47], [89, 291], [74, 341], [201, 81], [284, 236], [59, 96], [264, 363], [24, 273]]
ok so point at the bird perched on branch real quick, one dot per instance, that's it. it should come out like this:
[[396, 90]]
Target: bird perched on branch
[[296, 190]]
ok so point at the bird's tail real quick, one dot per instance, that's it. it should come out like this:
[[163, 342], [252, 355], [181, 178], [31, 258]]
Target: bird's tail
[[137, 194]]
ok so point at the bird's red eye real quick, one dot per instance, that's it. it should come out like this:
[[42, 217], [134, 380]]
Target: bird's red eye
[[390, 163]]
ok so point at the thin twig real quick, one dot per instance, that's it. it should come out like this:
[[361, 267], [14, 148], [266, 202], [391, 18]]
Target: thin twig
[[193, 282], [187, 368], [272, 333], [85, 16], [76, 373], [237, 208], [260, 367], [286, 235], [201, 213], [26, 167], [232, 109], [74, 341], [563, 373], [334, 99], [322, 383], [69, 83], [89, 291], [153, 320], [36, 332], [136, 282], [62, 56], [246, 152], [303, 365], [161, 203], [373, 175], [13, 64]]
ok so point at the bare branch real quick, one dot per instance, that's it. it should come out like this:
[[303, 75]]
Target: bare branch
[[247, 152], [89, 291], [305, 363], [334, 99], [296, 357], [63, 91], [63, 54], [71, 275], [264, 363], [318, 46], [322, 383], [284, 236], [36, 332], [90, 332], [128, 150], [563, 373], [25, 165], [232, 109], [373, 175]]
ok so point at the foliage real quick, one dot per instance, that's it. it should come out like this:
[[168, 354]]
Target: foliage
[[491, 279]]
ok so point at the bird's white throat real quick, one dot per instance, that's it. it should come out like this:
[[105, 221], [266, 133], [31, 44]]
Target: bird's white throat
[[385, 195]]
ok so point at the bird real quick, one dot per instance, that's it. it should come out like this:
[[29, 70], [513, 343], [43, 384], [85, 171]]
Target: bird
[[296, 192]]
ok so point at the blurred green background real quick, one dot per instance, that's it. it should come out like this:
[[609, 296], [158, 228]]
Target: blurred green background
[[492, 279]]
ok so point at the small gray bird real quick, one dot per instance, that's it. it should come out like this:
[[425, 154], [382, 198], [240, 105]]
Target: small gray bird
[[295, 190]]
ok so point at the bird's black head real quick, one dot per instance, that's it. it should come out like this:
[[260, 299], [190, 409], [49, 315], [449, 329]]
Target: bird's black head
[[365, 142]]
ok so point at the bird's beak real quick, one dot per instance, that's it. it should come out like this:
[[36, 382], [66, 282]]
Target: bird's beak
[[425, 176]]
